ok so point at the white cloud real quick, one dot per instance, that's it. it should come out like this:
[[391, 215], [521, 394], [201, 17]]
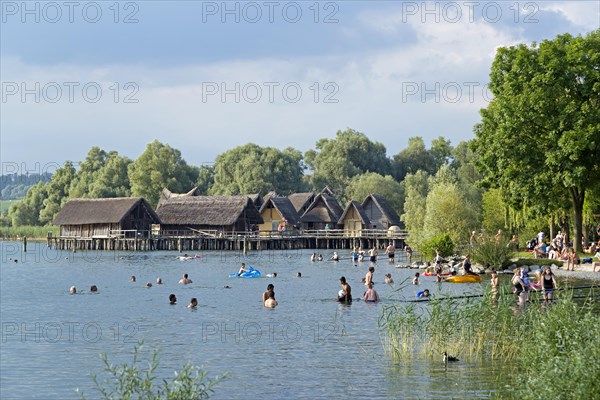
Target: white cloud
[[584, 14]]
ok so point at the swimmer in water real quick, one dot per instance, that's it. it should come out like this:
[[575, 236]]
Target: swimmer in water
[[193, 303], [149, 284], [299, 275], [158, 281], [73, 290], [335, 256], [172, 299], [345, 295], [271, 302], [388, 278], [415, 280], [185, 280], [424, 293], [132, 279], [270, 288], [93, 289], [371, 295]]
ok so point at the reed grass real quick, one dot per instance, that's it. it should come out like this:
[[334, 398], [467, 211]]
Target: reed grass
[[553, 348], [28, 231]]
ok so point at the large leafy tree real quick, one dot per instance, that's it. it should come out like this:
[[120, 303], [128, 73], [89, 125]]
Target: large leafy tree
[[57, 192], [541, 132], [112, 180], [362, 185], [254, 169], [160, 166], [27, 211], [415, 205], [88, 172], [415, 157], [351, 153]]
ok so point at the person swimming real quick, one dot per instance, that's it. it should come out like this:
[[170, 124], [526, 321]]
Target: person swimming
[[335, 256], [158, 281], [270, 288], [93, 288], [193, 303], [424, 293], [415, 280], [172, 299], [299, 275], [270, 302], [132, 279], [73, 290], [185, 280], [388, 278]]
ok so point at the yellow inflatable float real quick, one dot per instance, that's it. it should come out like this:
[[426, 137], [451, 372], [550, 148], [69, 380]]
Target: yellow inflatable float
[[463, 279]]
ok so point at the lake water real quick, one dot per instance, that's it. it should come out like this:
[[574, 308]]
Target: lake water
[[310, 346]]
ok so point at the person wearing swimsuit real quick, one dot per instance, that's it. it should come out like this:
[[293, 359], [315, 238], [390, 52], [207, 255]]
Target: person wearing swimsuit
[[548, 284]]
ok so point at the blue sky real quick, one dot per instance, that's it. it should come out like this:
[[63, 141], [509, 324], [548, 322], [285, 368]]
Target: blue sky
[[208, 76]]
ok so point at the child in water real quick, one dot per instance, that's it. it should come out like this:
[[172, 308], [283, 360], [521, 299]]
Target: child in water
[[415, 280]]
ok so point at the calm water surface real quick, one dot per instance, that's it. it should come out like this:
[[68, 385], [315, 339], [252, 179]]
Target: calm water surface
[[310, 346]]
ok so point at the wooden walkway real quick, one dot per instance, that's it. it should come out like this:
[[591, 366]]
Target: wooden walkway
[[239, 241]]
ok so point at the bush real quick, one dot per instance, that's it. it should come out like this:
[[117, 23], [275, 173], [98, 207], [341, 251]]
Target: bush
[[129, 382], [491, 253], [443, 243]]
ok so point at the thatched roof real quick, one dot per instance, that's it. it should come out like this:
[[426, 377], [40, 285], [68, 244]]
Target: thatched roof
[[359, 209], [301, 200], [327, 190], [284, 206], [256, 199], [380, 201], [207, 210], [101, 211], [324, 208], [167, 194]]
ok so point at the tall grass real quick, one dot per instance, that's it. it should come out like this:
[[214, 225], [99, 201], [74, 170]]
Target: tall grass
[[138, 380], [30, 232], [555, 347]]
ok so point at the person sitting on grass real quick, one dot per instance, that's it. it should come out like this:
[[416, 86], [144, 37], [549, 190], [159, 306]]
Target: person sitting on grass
[[540, 251]]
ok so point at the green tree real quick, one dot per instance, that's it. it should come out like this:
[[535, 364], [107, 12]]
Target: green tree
[[493, 211], [27, 211], [254, 169], [112, 180], [206, 178], [351, 153], [88, 173], [415, 157], [57, 192], [160, 166], [362, 185], [447, 212], [416, 189], [441, 152], [541, 132]]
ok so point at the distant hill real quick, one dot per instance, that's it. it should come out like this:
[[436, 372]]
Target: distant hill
[[15, 186]]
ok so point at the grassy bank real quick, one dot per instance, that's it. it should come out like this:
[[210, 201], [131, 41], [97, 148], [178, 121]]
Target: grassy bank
[[30, 232], [554, 348]]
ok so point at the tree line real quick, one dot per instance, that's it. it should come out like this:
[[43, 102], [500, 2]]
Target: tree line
[[533, 164]]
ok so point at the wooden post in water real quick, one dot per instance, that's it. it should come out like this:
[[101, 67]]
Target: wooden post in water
[[179, 244], [245, 245], [24, 244], [50, 239]]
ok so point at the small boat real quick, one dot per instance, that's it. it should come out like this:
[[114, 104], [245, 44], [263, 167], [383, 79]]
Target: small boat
[[463, 279]]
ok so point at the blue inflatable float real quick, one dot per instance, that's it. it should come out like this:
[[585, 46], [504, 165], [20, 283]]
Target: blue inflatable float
[[252, 273]]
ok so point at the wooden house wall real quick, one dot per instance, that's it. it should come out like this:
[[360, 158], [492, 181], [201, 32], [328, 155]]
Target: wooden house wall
[[271, 218], [377, 218], [352, 223], [88, 230]]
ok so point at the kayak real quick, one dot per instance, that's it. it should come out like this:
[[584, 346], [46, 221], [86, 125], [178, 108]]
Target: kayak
[[434, 274], [253, 273], [463, 279]]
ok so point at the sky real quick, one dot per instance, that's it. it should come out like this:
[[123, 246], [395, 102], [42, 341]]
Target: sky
[[206, 76]]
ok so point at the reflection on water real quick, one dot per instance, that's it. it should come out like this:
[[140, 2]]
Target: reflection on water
[[308, 347]]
